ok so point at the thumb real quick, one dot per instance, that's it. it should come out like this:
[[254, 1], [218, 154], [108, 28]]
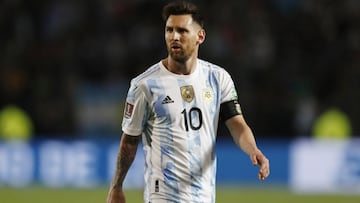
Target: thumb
[[254, 160]]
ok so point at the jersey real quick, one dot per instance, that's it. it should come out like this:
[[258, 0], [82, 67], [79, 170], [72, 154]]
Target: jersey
[[177, 116]]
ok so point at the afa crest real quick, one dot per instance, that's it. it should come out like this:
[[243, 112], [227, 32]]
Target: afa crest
[[208, 94], [187, 93]]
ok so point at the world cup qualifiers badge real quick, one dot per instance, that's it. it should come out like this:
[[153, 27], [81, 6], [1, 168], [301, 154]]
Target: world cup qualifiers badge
[[128, 110]]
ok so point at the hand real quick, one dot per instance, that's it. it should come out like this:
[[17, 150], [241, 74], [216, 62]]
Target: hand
[[259, 159], [116, 195]]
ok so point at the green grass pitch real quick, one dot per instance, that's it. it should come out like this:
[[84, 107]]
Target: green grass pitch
[[224, 195]]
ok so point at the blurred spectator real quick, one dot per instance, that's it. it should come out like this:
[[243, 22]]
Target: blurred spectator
[[15, 124], [332, 124]]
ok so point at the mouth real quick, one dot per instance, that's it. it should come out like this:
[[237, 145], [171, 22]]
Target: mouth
[[175, 47]]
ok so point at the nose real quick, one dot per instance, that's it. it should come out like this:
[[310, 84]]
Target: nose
[[176, 36]]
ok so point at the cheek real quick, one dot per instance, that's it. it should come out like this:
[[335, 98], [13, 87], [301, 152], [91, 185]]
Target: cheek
[[167, 41], [167, 37], [195, 42]]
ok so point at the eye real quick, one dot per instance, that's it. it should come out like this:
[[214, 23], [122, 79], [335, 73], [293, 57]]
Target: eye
[[169, 29], [182, 30]]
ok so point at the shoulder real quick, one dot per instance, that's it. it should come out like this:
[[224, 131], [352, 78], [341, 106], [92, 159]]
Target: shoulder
[[212, 68], [139, 83], [149, 73]]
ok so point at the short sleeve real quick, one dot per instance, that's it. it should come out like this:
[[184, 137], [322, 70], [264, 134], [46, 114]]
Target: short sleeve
[[228, 90], [134, 111]]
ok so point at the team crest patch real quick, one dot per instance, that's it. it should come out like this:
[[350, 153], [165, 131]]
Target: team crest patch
[[128, 110], [187, 93], [208, 94]]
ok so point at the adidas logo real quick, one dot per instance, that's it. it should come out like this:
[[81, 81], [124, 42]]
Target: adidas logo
[[167, 100]]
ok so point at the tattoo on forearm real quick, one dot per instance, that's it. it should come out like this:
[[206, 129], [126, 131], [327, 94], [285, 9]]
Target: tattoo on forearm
[[125, 157]]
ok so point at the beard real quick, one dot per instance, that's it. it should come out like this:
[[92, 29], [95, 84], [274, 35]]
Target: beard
[[180, 55]]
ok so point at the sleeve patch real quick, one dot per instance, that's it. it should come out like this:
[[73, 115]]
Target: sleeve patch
[[129, 108]]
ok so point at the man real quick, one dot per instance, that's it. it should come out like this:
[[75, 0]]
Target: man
[[175, 105]]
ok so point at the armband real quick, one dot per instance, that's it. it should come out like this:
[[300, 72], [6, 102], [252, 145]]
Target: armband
[[229, 109]]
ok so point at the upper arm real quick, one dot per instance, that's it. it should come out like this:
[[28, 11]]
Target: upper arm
[[130, 140]]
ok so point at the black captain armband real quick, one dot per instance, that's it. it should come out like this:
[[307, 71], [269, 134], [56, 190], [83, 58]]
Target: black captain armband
[[229, 109]]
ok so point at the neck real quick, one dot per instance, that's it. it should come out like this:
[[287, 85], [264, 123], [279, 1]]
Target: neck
[[181, 68]]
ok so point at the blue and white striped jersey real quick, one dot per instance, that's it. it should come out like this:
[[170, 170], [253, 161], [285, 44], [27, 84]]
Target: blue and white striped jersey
[[177, 115]]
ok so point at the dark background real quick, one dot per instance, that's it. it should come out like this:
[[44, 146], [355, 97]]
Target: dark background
[[68, 63]]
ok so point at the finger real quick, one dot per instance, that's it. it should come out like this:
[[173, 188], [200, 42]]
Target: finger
[[264, 171], [262, 175], [265, 174]]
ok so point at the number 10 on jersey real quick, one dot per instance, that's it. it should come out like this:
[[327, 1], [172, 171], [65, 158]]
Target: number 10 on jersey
[[192, 118]]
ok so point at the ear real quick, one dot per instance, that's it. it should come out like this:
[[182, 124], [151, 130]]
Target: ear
[[201, 36]]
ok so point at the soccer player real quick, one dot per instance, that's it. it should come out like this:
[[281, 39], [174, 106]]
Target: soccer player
[[176, 105]]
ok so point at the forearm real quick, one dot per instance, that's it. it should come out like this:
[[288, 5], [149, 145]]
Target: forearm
[[246, 141], [242, 134], [125, 158]]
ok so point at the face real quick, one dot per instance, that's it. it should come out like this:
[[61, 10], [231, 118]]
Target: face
[[183, 37]]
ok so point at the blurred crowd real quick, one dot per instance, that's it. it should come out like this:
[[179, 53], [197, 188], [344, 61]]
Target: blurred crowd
[[67, 63]]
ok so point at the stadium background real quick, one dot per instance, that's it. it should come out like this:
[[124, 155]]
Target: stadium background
[[65, 68]]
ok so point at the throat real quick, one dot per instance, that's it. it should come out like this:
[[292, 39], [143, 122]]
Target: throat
[[179, 68]]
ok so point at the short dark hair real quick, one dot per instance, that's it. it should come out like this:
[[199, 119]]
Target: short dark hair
[[181, 8]]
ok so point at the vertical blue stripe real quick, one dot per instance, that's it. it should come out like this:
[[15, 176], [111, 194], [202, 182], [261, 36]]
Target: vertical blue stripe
[[215, 106], [165, 135], [214, 84]]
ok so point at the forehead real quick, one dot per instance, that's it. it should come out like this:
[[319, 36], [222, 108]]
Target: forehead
[[179, 21]]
